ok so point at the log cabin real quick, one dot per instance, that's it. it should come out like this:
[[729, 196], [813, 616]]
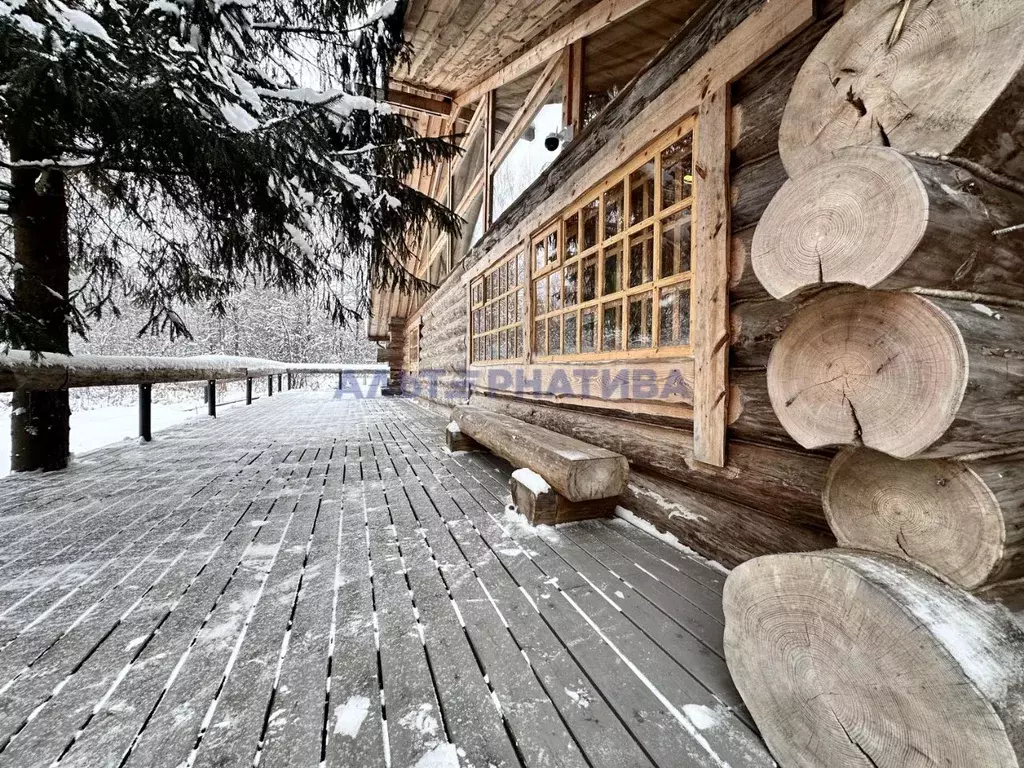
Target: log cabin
[[769, 252]]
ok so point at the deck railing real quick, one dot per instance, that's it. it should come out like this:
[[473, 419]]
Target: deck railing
[[21, 370]]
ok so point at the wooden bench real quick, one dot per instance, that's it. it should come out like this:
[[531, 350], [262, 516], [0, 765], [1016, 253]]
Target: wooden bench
[[559, 478]]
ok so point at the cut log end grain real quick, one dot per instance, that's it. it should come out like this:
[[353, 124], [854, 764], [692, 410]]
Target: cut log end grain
[[871, 216], [918, 76], [938, 513], [853, 219], [886, 370], [849, 660]]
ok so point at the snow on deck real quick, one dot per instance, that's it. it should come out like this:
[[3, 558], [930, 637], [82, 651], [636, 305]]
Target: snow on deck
[[314, 580]]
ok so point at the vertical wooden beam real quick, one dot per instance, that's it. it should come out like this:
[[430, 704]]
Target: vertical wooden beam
[[488, 104], [279, 388], [146, 412], [270, 385], [248, 391], [572, 105], [711, 278], [211, 398]]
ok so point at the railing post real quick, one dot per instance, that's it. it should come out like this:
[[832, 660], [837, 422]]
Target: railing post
[[279, 388], [146, 412], [270, 385], [211, 398], [289, 376], [340, 374], [248, 390]]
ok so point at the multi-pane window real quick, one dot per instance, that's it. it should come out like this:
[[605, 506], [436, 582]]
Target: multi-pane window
[[612, 275], [497, 304]]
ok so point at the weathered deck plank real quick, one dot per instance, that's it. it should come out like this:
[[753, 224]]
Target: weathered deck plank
[[312, 580]]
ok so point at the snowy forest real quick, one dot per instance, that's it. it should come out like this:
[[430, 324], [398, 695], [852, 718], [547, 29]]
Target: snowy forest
[[182, 178]]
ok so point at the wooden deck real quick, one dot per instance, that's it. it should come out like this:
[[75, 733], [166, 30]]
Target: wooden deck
[[315, 581]]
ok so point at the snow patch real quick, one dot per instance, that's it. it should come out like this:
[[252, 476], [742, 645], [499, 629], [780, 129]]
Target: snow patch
[[703, 717], [441, 756], [537, 484], [580, 698], [647, 527], [349, 717], [420, 720], [673, 509], [453, 428], [987, 311]]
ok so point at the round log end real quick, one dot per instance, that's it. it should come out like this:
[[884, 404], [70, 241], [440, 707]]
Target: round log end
[[855, 218], [883, 370], [916, 76], [854, 661], [935, 512]]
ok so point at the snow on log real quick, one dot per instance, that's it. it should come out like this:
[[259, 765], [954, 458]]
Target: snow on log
[[850, 660], [962, 520], [577, 470], [944, 77], [907, 375], [873, 217]]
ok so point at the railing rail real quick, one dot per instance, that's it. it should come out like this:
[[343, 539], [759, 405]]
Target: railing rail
[[20, 370]]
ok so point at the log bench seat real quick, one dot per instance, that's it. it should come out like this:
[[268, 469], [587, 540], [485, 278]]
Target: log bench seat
[[558, 479]]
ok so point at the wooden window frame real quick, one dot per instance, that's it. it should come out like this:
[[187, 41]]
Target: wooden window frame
[[488, 290], [623, 238]]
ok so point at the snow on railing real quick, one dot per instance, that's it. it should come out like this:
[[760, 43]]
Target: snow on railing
[[18, 370]]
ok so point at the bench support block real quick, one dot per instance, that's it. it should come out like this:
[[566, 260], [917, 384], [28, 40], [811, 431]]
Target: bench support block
[[457, 441], [551, 508]]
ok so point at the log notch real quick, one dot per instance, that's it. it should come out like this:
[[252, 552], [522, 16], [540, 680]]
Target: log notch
[[963, 520], [849, 660], [873, 217], [903, 374], [578, 471], [941, 77]]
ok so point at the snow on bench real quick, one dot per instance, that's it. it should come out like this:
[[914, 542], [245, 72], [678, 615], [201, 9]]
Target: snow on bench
[[559, 478]]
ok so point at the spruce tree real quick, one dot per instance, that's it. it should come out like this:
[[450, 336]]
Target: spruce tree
[[166, 153]]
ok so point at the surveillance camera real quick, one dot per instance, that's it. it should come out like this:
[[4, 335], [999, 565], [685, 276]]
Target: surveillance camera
[[554, 140]]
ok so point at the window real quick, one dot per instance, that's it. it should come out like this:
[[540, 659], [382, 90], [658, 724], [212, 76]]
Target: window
[[497, 304], [414, 344], [612, 275]]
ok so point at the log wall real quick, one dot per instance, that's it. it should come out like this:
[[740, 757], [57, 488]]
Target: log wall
[[768, 496]]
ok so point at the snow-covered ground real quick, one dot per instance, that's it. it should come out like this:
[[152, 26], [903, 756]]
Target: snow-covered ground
[[107, 415]]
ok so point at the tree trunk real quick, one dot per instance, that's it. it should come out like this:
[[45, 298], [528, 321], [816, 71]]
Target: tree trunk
[[963, 520], [40, 421], [907, 375], [850, 660], [940, 77], [873, 217]]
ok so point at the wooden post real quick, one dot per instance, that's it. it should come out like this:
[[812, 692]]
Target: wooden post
[[279, 387], [711, 284], [146, 411], [340, 374], [270, 385], [289, 381], [248, 391], [488, 104], [211, 398]]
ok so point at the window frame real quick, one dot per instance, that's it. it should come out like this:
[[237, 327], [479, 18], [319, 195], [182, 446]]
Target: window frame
[[485, 292], [626, 235]]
